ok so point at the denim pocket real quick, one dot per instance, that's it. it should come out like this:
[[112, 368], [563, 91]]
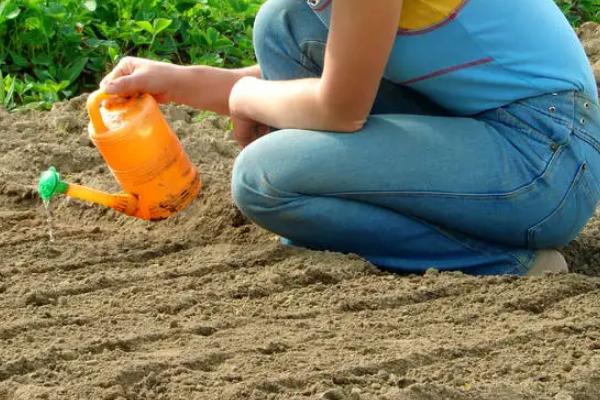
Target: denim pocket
[[506, 117], [313, 56], [566, 221]]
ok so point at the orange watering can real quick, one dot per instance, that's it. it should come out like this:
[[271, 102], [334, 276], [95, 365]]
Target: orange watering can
[[144, 155]]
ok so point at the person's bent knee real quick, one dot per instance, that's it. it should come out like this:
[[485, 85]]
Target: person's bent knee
[[242, 182], [250, 187], [275, 170]]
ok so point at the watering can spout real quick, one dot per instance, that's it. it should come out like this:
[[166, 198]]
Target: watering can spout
[[51, 185]]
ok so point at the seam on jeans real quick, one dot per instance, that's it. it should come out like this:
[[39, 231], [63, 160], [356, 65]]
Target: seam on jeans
[[278, 192], [531, 232], [522, 267], [470, 246], [507, 118], [471, 196], [592, 194], [583, 96], [586, 137], [259, 193], [291, 197]]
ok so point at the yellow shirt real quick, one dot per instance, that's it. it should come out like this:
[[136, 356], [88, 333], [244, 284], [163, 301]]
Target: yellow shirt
[[420, 15]]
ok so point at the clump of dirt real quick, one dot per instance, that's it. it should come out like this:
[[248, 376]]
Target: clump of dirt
[[205, 305]]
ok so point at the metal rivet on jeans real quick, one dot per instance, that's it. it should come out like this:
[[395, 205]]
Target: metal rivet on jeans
[[582, 120], [313, 3], [554, 146], [586, 105], [554, 94], [552, 109]]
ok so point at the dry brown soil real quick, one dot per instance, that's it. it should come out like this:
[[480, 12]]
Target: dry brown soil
[[205, 305]]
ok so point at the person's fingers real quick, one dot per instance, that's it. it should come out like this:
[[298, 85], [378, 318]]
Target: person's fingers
[[243, 132], [161, 98], [127, 85], [125, 67], [240, 137], [261, 129]]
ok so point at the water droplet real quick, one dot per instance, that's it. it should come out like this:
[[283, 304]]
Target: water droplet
[[49, 220]]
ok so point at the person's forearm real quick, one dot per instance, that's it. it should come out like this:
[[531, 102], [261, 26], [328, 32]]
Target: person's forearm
[[301, 103], [208, 88]]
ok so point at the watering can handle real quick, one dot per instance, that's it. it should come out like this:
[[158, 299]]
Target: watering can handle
[[93, 108]]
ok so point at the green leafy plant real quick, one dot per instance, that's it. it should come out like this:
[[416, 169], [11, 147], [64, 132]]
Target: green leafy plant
[[53, 49]]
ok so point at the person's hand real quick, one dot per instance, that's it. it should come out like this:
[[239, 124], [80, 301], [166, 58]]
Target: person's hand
[[245, 131], [133, 76]]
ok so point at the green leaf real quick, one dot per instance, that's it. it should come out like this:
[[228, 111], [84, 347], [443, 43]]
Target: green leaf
[[212, 35], [2, 89], [26, 88], [184, 5], [18, 59], [33, 23], [9, 10], [75, 69], [41, 59], [14, 13], [223, 43], [94, 43], [90, 5], [113, 53], [160, 24], [238, 5], [42, 74], [145, 25], [56, 11], [8, 98]]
